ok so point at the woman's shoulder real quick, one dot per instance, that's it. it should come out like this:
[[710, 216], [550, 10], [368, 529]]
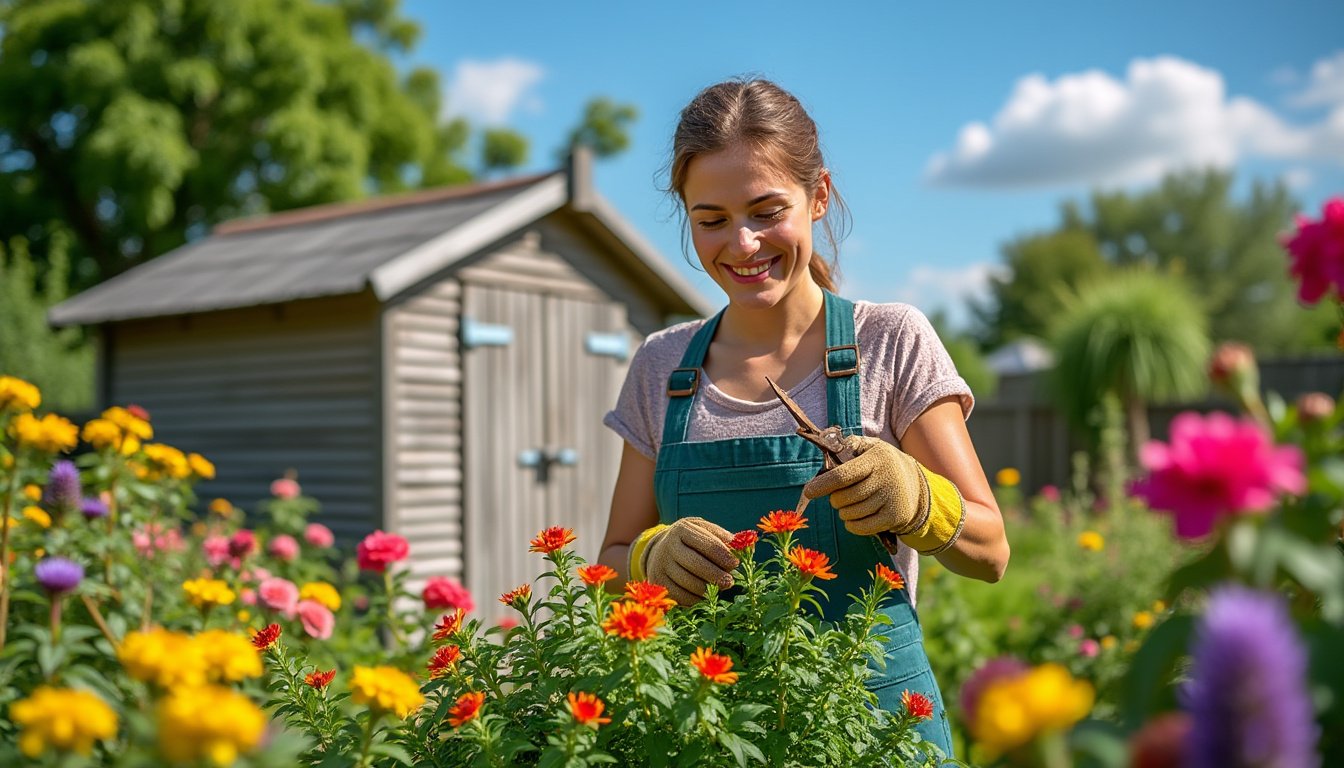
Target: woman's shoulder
[[662, 349], [888, 319]]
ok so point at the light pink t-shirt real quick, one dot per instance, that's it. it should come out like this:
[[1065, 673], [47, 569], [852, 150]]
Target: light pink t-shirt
[[903, 366]]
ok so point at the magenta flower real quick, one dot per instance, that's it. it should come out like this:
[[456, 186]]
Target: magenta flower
[[216, 550], [241, 544], [442, 592], [1216, 466], [283, 547], [379, 550], [1316, 253], [317, 619], [1049, 493], [990, 672], [279, 595], [1089, 648], [318, 535]]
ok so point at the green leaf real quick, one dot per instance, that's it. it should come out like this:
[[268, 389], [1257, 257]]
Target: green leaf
[[393, 751], [1147, 688]]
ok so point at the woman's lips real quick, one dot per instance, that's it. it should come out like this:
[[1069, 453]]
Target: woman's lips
[[758, 271]]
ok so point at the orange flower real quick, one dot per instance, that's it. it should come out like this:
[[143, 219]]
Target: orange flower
[[715, 667], [595, 574], [633, 621], [917, 705], [888, 577], [266, 636], [587, 709], [467, 707], [743, 540], [450, 624], [319, 680], [782, 520], [520, 595], [811, 562], [444, 659], [649, 594], [551, 539]]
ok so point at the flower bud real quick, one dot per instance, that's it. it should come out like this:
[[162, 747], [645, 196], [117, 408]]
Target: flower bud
[[62, 492], [1232, 364], [1314, 406]]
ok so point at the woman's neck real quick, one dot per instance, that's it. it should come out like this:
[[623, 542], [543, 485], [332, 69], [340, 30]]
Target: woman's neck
[[779, 327]]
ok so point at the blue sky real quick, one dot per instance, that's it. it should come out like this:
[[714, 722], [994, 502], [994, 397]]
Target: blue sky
[[950, 127]]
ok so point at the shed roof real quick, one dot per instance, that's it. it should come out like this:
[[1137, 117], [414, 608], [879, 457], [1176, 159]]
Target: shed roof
[[388, 244]]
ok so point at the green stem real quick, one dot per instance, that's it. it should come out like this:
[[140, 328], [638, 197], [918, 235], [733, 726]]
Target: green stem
[[56, 601], [634, 671], [391, 615], [5, 524], [368, 740]]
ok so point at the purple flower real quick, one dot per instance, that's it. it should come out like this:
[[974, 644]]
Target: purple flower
[[93, 508], [58, 575], [62, 492], [1247, 693]]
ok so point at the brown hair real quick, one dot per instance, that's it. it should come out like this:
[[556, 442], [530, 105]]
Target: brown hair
[[769, 118]]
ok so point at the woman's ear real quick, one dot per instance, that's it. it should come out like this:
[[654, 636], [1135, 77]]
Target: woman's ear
[[821, 198]]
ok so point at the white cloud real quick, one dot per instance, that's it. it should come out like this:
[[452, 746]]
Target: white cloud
[[946, 289], [490, 91], [1167, 113], [1298, 178]]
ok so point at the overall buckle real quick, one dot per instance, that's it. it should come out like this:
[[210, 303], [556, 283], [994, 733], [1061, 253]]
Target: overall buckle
[[683, 382], [842, 361]]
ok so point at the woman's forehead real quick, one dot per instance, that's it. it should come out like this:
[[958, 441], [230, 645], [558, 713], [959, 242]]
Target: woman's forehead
[[735, 174]]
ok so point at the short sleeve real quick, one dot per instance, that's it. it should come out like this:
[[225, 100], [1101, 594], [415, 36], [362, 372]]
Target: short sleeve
[[924, 373]]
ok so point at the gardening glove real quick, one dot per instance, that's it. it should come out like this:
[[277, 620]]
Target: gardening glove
[[884, 490], [685, 557]]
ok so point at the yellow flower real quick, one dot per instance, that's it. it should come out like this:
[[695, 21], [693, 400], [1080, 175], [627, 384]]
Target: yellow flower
[[129, 423], [62, 719], [210, 723], [323, 593], [229, 656], [1108, 642], [166, 659], [130, 445], [1008, 477], [1015, 710], [18, 395], [51, 433], [32, 492], [37, 516], [207, 593], [168, 460], [101, 433], [1091, 541], [1159, 606], [385, 689], [201, 466], [244, 616], [221, 507], [1143, 620]]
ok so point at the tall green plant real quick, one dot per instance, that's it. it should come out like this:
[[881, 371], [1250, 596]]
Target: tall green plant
[[59, 362]]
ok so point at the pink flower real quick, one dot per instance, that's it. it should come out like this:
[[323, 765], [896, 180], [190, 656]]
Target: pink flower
[[1089, 648], [279, 595], [156, 537], [216, 550], [506, 623], [242, 544], [1316, 253], [255, 573], [1075, 631], [992, 671], [248, 596], [317, 619], [284, 547], [285, 488], [318, 535], [1049, 493], [442, 592], [1216, 466], [378, 550]]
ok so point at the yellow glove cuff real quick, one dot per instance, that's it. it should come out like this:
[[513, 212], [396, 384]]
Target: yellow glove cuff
[[947, 516], [638, 549]]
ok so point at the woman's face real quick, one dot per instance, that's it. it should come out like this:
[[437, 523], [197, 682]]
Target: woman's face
[[751, 224]]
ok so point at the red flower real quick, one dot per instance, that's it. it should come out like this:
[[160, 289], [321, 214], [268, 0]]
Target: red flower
[[319, 680], [138, 411], [266, 636], [444, 659], [917, 705], [596, 574], [649, 594], [441, 592], [781, 521], [518, 597], [551, 539], [449, 625], [242, 544], [889, 578], [812, 563], [587, 709], [378, 550], [633, 621], [713, 666], [743, 540], [467, 707], [1316, 253]]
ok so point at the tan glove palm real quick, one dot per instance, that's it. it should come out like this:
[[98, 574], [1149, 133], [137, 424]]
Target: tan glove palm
[[880, 489], [689, 555]]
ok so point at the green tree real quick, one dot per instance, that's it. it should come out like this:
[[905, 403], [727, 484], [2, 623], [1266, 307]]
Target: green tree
[[966, 356], [502, 149], [1138, 336], [135, 124], [1190, 227], [604, 127]]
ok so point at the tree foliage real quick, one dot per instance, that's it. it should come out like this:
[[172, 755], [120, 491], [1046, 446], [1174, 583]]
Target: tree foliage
[[604, 127], [1188, 227], [502, 149]]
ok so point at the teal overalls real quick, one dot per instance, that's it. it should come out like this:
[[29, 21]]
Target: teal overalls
[[734, 482]]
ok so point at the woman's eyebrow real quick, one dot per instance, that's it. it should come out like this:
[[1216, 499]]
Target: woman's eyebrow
[[753, 201]]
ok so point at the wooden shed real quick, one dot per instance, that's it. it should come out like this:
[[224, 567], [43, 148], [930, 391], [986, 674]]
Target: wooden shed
[[435, 364]]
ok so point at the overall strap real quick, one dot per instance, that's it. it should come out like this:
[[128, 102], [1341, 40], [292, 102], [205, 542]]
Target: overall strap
[[684, 381], [841, 366]]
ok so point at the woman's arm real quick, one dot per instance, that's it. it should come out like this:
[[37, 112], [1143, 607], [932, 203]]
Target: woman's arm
[[938, 439], [633, 510]]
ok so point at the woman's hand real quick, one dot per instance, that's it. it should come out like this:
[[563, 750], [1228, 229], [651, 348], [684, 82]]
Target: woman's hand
[[881, 489], [687, 556]]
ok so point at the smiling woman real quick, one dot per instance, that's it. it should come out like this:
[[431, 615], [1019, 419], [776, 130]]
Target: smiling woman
[[708, 447]]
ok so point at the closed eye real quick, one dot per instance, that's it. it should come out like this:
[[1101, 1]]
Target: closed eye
[[709, 223]]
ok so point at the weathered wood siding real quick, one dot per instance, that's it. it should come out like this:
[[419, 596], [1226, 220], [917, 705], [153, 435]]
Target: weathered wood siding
[[262, 390], [423, 418]]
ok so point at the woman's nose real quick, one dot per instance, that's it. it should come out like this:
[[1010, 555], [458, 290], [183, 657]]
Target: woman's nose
[[747, 242]]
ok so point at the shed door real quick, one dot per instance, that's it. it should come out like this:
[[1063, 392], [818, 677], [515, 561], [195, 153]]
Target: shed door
[[535, 389]]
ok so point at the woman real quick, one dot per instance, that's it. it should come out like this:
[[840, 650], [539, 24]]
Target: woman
[[709, 449]]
